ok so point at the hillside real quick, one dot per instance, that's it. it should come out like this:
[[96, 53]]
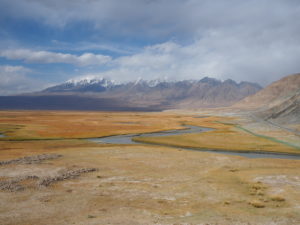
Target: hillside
[[278, 103], [274, 94], [287, 111]]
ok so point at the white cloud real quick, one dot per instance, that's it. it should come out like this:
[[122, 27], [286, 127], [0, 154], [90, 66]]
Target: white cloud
[[159, 18], [208, 57], [14, 80], [30, 56], [85, 46], [254, 40]]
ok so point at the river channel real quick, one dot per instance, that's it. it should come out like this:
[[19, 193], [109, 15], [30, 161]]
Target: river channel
[[128, 139]]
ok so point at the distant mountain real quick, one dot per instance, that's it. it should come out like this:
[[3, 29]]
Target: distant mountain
[[207, 92], [85, 85], [210, 92], [140, 95]]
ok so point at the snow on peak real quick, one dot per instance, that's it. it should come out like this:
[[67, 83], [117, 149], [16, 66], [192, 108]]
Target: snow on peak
[[87, 80], [151, 83]]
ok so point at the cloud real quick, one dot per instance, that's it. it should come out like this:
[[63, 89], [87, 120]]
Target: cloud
[[14, 80], [158, 18], [30, 56], [208, 57], [84, 46], [254, 40]]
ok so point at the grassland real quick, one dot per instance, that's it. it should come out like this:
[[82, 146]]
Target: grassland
[[29, 125], [140, 184], [227, 136], [35, 125]]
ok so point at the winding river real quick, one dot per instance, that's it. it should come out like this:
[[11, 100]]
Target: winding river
[[128, 139]]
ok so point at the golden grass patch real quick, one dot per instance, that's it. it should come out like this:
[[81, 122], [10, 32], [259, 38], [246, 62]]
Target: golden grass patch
[[60, 124], [26, 125], [226, 138], [277, 198], [257, 203]]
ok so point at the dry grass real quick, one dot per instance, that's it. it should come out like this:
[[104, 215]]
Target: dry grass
[[146, 185], [19, 125], [139, 184], [277, 198], [223, 138], [26, 125], [257, 204]]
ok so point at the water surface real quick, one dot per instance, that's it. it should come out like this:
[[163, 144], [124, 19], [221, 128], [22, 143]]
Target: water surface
[[127, 139]]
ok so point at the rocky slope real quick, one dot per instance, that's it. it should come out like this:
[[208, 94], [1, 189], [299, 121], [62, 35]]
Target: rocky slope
[[273, 94], [287, 111], [279, 102]]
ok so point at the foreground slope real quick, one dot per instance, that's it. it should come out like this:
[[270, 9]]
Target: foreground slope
[[285, 111], [274, 94], [278, 103]]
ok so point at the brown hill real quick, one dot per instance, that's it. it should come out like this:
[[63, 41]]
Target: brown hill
[[274, 94], [287, 111], [205, 93]]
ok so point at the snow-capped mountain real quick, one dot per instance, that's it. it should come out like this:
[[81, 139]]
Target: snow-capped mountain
[[84, 85], [105, 82], [207, 92], [91, 84], [152, 83]]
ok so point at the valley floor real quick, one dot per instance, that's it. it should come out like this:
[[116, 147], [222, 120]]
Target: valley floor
[[50, 175]]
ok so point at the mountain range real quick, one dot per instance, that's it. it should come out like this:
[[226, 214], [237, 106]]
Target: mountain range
[[278, 102], [148, 95], [139, 95]]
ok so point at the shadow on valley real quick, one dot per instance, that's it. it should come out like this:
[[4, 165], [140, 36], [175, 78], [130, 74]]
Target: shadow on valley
[[69, 102]]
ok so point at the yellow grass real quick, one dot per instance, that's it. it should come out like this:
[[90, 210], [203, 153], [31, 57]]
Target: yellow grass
[[140, 184], [49, 124], [224, 138], [26, 125], [257, 204]]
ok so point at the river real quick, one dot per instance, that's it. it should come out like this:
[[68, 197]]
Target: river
[[127, 139]]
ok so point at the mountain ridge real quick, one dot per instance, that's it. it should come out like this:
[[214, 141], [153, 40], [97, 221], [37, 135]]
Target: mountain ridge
[[160, 94], [107, 83], [206, 92]]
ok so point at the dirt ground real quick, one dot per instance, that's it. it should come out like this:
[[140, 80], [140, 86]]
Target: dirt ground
[[72, 181]]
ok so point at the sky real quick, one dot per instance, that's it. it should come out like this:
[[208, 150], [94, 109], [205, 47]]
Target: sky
[[47, 42]]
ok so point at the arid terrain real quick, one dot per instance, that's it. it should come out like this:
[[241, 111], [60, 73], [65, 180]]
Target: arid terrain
[[149, 112], [50, 174]]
